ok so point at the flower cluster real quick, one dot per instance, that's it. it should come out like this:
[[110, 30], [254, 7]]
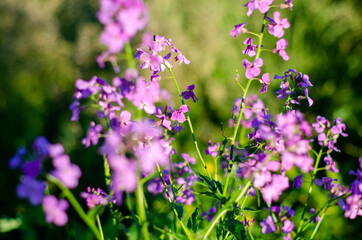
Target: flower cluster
[[178, 182], [122, 19]]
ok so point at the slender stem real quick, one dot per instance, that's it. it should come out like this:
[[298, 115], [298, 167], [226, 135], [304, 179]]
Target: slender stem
[[68, 194], [234, 199], [189, 122], [107, 171], [231, 162], [141, 211], [129, 55], [318, 225], [309, 191], [100, 227], [170, 200]]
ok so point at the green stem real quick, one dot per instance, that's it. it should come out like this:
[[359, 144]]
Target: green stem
[[231, 162], [234, 199], [309, 191], [189, 122], [68, 194], [129, 56], [141, 211], [99, 227], [318, 225], [170, 200]]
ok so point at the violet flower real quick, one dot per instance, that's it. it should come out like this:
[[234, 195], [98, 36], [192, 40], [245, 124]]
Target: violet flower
[[189, 93], [265, 81], [32, 189], [268, 225], [93, 135]]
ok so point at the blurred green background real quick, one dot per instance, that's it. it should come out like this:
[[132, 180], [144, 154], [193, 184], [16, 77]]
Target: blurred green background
[[46, 45]]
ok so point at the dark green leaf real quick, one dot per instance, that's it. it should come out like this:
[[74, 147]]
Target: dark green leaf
[[236, 228], [215, 195], [222, 147], [179, 209], [193, 222], [206, 180]]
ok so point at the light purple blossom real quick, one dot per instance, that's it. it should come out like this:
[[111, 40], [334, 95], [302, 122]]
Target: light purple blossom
[[95, 197], [239, 28], [93, 135], [262, 5], [65, 171], [273, 190], [178, 115], [288, 226], [55, 210], [277, 25], [268, 225], [281, 46], [252, 70]]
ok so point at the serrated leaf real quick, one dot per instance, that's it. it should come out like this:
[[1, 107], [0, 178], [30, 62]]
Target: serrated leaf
[[236, 228], [193, 222]]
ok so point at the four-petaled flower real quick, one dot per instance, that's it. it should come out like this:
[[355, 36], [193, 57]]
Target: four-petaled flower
[[252, 70], [178, 115], [276, 25], [55, 210]]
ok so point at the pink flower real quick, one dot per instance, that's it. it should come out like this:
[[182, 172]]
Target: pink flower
[[239, 28], [281, 46], [65, 171], [178, 115], [262, 5], [265, 81], [252, 70], [276, 26], [55, 210]]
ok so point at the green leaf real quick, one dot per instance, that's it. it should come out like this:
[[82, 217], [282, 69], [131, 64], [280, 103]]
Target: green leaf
[[216, 195], [218, 185], [179, 209], [9, 224], [236, 228], [222, 146], [193, 222], [206, 180]]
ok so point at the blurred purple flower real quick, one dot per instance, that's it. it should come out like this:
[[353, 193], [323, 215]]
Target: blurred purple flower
[[55, 210], [65, 171], [31, 189], [178, 115]]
